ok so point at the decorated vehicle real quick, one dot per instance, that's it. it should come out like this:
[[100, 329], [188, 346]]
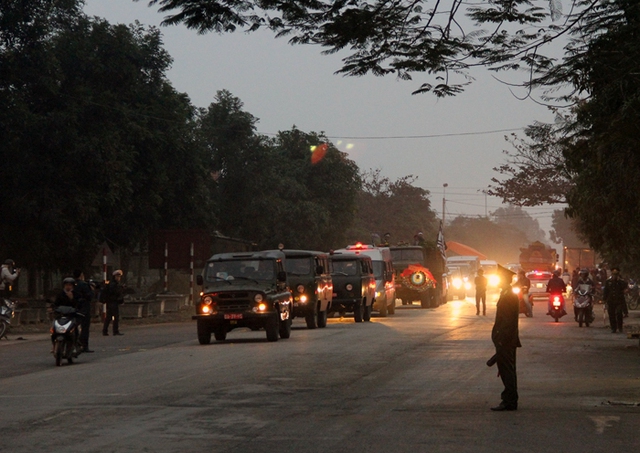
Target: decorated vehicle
[[419, 275], [244, 290]]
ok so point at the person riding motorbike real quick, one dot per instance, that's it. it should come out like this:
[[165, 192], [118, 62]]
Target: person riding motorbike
[[584, 283], [555, 286], [67, 298]]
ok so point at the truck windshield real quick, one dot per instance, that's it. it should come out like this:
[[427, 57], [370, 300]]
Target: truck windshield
[[345, 267], [415, 255], [241, 269], [298, 265]]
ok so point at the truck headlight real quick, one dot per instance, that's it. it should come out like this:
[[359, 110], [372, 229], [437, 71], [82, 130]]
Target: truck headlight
[[207, 300], [258, 298]]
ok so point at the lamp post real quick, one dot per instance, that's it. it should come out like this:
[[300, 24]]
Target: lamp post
[[444, 192]]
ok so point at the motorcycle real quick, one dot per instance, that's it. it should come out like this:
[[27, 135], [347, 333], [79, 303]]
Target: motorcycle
[[583, 305], [526, 306], [557, 310], [64, 334], [6, 313]]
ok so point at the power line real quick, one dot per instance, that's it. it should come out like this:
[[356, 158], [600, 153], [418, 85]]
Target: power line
[[403, 137]]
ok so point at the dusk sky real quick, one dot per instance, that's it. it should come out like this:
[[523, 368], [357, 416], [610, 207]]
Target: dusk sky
[[286, 85]]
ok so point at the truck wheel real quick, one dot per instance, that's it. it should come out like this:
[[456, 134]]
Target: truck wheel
[[358, 312], [285, 328], [271, 327], [367, 312], [425, 300], [312, 318], [322, 319], [204, 334], [383, 310], [219, 333]]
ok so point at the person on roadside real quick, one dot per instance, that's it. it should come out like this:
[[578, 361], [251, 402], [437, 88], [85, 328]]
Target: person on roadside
[[84, 296], [481, 292], [613, 297], [113, 297], [555, 286], [506, 340], [8, 276]]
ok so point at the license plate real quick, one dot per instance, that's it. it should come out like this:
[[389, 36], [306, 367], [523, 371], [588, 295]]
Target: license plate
[[539, 285], [233, 316]]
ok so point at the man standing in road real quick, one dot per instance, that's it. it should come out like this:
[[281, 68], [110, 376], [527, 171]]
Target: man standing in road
[[506, 340], [481, 292], [613, 297], [84, 297], [113, 296]]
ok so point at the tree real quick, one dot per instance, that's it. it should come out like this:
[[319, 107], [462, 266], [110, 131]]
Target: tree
[[564, 230], [516, 217], [395, 207], [91, 132], [402, 37]]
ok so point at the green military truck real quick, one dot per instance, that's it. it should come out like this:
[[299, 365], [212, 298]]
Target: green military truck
[[419, 275]]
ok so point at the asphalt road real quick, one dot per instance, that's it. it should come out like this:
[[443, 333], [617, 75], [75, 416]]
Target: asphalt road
[[412, 382]]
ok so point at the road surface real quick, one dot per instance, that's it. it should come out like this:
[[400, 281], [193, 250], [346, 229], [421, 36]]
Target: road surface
[[412, 382]]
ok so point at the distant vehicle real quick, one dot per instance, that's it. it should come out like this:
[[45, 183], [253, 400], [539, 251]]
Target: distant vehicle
[[354, 285], [459, 284], [420, 275], [472, 263], [490, 269], [538, 289], [244, 290], [538, 257], [385, 297]]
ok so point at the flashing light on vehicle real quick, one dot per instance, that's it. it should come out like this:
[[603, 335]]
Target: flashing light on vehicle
[[349, 287], [457, 283], [303, 299], [300, 288], [494, 280]]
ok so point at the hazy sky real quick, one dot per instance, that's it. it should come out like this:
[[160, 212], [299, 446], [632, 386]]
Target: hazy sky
[[286, 85]]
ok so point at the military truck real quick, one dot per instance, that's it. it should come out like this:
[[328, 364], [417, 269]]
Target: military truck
[[244, 290], [419, 275]]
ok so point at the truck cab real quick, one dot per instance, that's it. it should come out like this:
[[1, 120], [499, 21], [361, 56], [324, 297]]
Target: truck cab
[[353, 285], [244, 290]]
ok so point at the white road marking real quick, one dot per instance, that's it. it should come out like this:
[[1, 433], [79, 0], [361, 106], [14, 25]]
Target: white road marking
[[604, 421]]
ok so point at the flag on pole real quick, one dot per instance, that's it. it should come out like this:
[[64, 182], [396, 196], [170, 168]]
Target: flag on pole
[[442, 246]]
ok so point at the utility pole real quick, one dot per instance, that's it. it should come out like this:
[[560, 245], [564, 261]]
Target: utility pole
[[444, 193]]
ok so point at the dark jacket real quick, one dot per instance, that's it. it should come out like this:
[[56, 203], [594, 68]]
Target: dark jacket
[[83, 295], [505, 329], [481, 284], [113, 293], [613, 293], [63, 300], [556, 285]]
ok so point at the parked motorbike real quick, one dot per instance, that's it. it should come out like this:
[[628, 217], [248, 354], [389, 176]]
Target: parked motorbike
[[64, 334], [557, 310], [7, 308], [526, 306], [583, 305]]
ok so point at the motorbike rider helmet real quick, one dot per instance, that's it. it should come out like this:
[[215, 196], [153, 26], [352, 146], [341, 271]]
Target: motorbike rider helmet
[[556, 273], [584, 271], [9, 262]]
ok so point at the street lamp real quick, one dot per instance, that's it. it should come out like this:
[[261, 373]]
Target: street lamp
[[444, 192]]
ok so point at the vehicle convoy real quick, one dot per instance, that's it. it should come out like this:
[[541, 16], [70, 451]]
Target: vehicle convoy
[[385, 294], [309, 278], [420, 275], [64, 334], [354, 285], [244, 290]]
